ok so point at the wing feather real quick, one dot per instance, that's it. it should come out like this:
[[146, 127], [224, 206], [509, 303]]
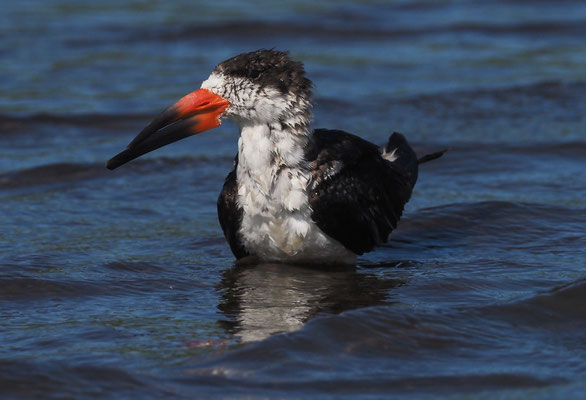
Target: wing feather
[[230, 215], [361, 202]]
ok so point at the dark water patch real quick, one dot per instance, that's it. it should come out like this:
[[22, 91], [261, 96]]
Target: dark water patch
[[12, 124], [513, 101], [550, 310], [166, 163], [135, 267], [205, 242], [567, 92], [501, 102], [252, 30], [530, 28], [68, 173], [129, 284], [467, 224], [424, 387], [495, 158], [105, 290], [389, 264], [27, 288], [32, 264], [58, 379], [567, 150], [50, 174]]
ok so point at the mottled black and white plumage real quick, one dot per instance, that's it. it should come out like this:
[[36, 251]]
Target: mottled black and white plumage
[[348, 194], [295, 194], [268, 68]]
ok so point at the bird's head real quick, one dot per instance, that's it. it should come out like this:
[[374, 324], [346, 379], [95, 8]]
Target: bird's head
[[261, 87]]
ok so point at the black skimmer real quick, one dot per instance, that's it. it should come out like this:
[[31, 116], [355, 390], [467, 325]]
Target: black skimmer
[[295, 194]]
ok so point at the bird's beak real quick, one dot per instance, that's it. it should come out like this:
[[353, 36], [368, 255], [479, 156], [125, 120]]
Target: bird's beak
[[194, 113]]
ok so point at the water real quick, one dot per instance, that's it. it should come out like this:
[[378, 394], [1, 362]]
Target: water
[[120, 284]]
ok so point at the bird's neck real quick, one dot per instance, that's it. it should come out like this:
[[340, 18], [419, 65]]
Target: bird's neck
[[268, 150]]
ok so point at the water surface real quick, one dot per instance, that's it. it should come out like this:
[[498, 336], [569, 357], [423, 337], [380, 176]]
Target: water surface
[[120, 284]]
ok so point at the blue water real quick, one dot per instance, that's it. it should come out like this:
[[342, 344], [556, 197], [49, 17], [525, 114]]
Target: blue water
[[121, 285]]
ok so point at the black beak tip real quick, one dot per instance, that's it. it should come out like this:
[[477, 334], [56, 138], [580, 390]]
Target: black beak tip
[[156, 135], [115, 162]]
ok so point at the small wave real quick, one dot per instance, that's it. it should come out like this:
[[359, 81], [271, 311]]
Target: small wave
[[494, 225], [565, 150], [566, 91], [138, 267], [120, 283], [563, 304], [60, 173], [49, 174], [544, 90], [254, 29], [432, 386], [511, 101], [26, 379], [11, 124], [27, 288]]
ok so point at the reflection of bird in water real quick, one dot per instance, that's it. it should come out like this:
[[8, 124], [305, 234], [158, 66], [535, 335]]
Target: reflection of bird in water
[[265, 299], [295, 194]]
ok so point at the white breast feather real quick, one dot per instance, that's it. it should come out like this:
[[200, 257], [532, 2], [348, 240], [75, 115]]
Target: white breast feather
[[277, 224]]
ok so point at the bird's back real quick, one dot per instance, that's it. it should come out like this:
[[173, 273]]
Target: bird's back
[[357, 196]]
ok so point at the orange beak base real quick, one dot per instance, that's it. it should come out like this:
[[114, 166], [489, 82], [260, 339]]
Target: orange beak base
[[197, 112]]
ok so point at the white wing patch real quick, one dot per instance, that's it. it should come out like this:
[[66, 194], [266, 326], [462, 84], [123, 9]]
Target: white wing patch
[[390, 156]]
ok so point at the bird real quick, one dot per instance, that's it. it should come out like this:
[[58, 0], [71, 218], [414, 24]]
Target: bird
[[296, 194]]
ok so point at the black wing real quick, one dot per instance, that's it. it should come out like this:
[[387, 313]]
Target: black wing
[[357, 197], [230, 215]]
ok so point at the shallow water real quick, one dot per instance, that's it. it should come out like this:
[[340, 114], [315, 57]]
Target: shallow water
[[120, 284]]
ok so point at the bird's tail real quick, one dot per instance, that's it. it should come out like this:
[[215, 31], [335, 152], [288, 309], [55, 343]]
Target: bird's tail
[[432, 156], [400, 153]]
